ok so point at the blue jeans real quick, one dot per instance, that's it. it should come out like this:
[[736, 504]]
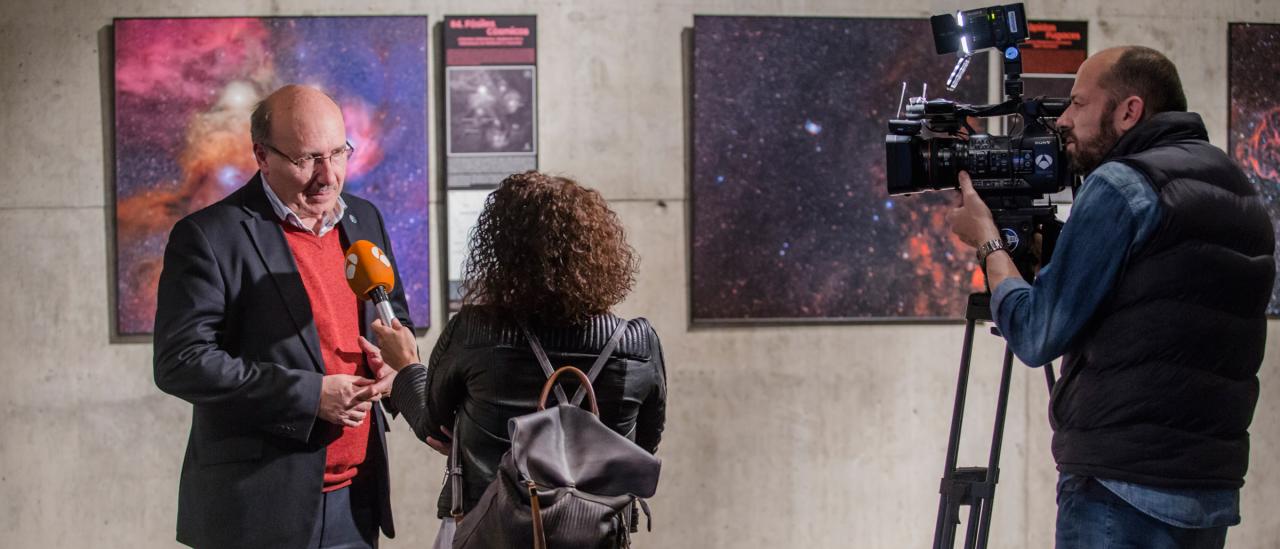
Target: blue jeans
[[1091, 517]]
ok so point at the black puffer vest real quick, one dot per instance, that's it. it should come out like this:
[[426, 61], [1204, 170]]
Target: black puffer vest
[[1160, 387]]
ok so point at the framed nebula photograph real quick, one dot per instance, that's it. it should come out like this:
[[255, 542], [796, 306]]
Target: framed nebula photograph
[[1253, 76], [491, 110], [184, 89], [791, 220]]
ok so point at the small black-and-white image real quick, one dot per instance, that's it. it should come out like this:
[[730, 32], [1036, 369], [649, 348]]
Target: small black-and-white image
[[492, 110]]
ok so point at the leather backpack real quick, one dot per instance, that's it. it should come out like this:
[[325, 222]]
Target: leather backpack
[[568, 481]]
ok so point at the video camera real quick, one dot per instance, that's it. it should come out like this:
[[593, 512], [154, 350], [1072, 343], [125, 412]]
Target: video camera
[[926, 150], [1030, 161]]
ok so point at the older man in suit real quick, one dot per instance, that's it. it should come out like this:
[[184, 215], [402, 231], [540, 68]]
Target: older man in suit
[[257, 329]]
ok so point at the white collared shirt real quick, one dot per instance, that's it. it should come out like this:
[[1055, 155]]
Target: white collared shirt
[[286, 214]]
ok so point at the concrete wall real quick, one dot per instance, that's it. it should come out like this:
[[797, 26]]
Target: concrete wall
[[818, 436]]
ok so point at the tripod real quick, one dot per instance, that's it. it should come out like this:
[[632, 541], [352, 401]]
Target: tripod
[[976, 486]]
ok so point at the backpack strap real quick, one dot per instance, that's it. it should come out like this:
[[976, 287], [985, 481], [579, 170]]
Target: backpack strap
[[543, 360], [454, 472], [535, 512], [602, 359]]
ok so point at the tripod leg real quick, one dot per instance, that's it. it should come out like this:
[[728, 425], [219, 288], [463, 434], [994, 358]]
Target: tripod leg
[[944, 532], [949, 517], [971, 531], [997, 437]]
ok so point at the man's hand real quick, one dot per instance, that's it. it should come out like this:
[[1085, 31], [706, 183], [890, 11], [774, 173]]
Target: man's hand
[[384, 374], [398, 346], [355, 416], [343, 399], [971, 219]]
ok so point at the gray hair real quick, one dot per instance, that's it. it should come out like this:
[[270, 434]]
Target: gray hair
[[260, 122]]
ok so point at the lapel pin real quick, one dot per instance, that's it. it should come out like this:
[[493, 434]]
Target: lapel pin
[[352, 217]]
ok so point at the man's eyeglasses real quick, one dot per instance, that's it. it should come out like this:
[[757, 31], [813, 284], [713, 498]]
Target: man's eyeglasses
[[307, 164]]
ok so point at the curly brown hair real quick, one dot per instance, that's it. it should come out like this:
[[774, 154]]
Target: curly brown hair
[[548, 250]]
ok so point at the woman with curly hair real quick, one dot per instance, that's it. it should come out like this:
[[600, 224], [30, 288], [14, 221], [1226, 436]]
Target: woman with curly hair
[[547, 255]]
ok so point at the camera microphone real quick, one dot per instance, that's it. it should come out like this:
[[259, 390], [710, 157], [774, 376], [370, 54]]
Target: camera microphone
[[370, 276]]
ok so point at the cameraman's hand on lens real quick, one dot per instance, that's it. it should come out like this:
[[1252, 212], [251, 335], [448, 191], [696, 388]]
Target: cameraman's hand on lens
[[971, 219]]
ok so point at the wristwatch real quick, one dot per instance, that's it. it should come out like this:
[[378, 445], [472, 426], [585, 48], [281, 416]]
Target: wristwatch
[[987, 248]]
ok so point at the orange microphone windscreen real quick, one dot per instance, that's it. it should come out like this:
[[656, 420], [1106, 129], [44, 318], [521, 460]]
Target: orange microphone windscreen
[[368, 268]]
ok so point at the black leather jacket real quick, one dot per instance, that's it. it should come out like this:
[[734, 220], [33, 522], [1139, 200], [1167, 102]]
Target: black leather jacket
[[483, 367]]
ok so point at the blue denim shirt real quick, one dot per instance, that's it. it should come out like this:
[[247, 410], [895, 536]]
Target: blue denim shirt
[[1114, 215]]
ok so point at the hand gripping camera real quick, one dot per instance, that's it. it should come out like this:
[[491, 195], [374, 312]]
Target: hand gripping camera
[[926, 150]]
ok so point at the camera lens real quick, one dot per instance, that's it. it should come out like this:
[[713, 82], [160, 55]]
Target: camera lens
[[944, 157]]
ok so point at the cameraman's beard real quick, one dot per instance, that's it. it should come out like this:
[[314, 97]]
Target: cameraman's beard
[[1090, 154]]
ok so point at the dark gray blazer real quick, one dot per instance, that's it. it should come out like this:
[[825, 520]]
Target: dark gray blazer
[[234, 336]]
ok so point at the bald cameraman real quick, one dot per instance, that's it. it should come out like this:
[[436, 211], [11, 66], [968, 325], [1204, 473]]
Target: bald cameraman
[[1155, 298]]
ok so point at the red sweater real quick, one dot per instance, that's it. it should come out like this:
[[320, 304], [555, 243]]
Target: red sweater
[[321, 264]]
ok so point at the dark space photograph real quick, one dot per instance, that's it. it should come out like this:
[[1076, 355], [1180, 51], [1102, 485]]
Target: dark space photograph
[[791, 219]]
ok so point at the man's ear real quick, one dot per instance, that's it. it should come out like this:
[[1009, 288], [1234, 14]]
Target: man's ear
[[1129, 112], [260, 155]]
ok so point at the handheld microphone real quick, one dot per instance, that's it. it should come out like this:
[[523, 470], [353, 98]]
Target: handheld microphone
[[370, 276]]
